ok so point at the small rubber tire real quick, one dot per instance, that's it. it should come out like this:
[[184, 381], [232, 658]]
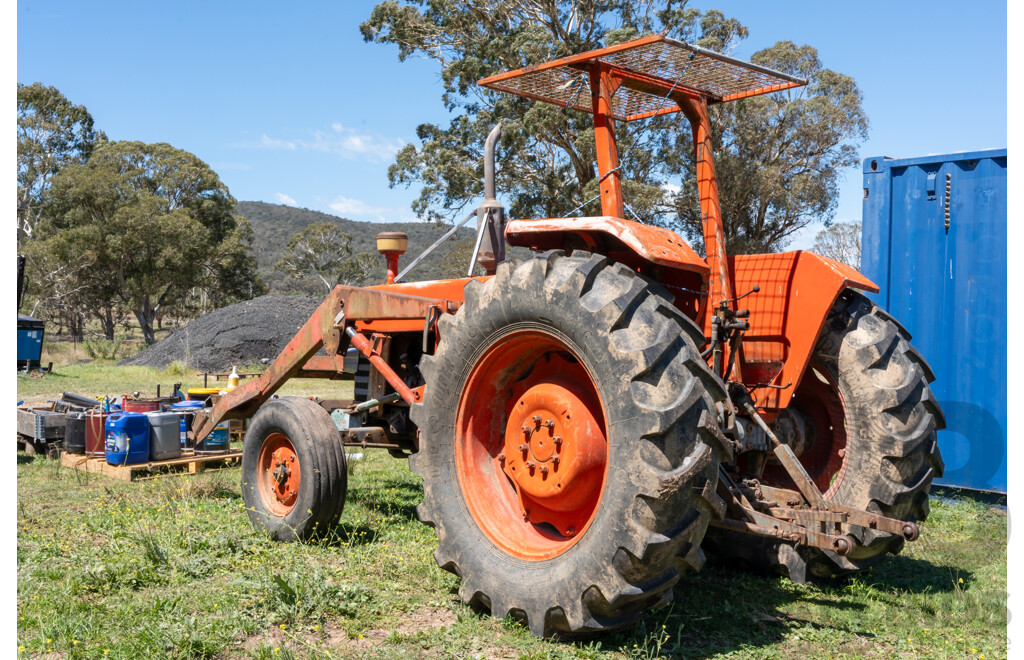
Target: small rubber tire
[[313, 438], [891, 453], [658, 396]]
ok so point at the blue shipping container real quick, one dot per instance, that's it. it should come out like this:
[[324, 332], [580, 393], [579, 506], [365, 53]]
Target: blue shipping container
[[934, 240]]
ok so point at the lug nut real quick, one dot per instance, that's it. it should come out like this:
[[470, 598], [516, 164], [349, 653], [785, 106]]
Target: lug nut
[[571, 531], [557, 440], [501, 457], [524, 448], [536, 419], [531, 464], [543, 469], [555, 460], [550, 423]]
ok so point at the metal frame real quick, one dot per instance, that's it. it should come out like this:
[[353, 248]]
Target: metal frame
[[652, 69], [328, 328], [649, 65]]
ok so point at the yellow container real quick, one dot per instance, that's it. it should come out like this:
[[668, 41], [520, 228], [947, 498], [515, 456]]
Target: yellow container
[[202, 393]]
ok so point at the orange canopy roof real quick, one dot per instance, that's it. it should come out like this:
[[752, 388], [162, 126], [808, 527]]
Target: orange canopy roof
[[648, 69]]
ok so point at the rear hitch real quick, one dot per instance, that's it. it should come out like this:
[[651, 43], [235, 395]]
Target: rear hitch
[[803, 516]]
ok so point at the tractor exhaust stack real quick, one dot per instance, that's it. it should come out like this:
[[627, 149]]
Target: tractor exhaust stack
[[490, 216]]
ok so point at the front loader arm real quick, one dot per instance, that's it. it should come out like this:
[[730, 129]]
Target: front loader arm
[[326, 328]]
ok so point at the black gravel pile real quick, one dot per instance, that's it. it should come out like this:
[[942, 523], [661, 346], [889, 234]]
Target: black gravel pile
[[240, 334]]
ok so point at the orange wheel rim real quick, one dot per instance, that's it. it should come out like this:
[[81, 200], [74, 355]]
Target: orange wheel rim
[[531, 448], [279, 474]]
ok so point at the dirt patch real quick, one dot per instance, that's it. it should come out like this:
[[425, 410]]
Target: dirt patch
[[425, 619], [858, 646], [240, 334], [410, 623], [273, 636], [337, 638]]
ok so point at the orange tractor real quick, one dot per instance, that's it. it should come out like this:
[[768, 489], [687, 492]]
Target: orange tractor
[[588, 422]]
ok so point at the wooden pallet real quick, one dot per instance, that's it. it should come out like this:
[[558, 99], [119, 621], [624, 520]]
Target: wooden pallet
[[189, 463]]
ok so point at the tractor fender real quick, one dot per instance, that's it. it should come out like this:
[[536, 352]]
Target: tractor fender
[[797, 292], [625, 241]]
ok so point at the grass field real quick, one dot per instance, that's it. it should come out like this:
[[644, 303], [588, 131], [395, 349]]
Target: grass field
[[170, 567]]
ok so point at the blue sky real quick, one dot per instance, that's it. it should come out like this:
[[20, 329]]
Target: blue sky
[[289, 105]]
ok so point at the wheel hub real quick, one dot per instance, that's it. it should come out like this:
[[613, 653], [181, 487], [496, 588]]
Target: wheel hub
[[815, 428], [555, 454], [279, 474], [531, 453]]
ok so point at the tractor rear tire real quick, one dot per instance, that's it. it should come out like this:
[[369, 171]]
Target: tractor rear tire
[[595, 346], [886, 418], [294, 475]]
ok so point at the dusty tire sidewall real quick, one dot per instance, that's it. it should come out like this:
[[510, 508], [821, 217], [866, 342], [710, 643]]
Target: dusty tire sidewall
[[278, 416], [869, 427]]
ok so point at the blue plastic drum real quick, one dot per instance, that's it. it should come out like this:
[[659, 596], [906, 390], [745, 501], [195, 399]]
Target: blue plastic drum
[[127, 441]]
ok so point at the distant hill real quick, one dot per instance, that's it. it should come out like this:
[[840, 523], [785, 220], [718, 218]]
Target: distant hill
[[274, 224]]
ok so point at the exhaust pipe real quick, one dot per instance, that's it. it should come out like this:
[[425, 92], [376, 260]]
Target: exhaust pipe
[[492, 139], [490, 216]]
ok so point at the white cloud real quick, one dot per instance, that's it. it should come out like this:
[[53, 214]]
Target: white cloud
[[356, 209], [341, 141], [277, 144], [285, 199]]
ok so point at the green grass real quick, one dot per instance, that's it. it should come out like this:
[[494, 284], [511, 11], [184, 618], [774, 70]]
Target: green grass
[[104, 378], [171, 567]]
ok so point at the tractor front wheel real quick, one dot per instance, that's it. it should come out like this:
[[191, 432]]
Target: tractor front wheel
[[566, 446], [293, 470]]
